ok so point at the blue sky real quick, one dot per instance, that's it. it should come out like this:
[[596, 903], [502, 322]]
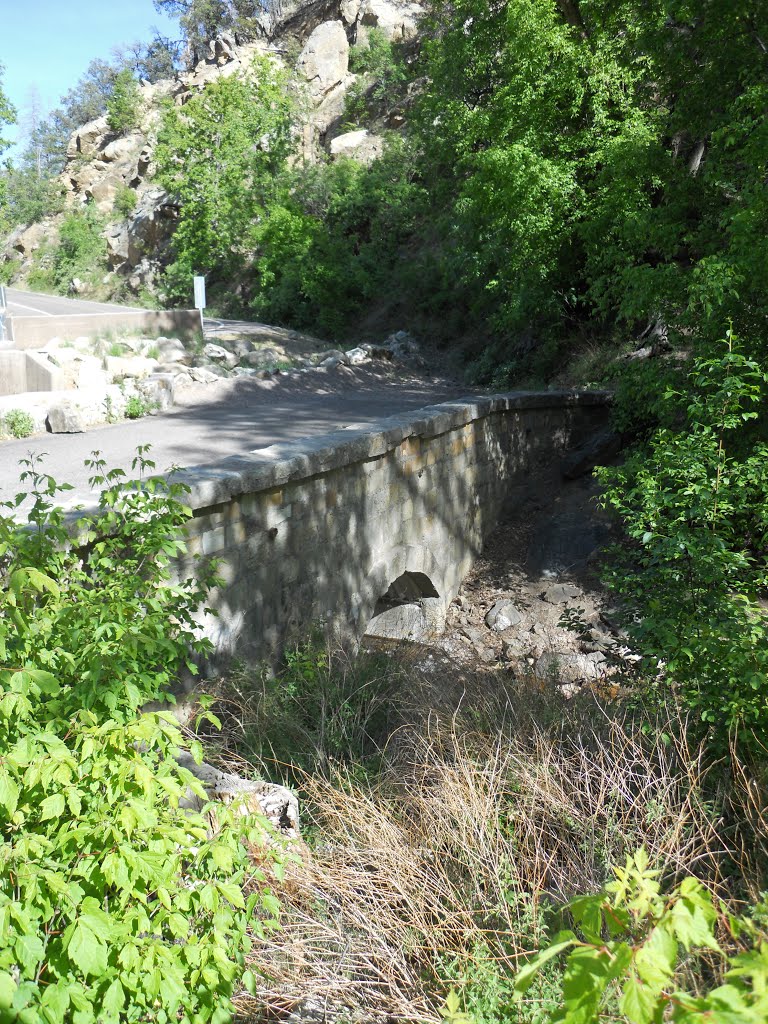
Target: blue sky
[[47, 44]]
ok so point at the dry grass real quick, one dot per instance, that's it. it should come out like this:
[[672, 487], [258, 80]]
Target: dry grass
[[468, 833]]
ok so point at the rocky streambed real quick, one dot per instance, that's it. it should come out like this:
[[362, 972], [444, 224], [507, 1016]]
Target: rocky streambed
[[533, 605]]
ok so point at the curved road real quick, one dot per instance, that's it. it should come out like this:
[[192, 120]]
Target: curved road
[[21, 304], [230, 417]]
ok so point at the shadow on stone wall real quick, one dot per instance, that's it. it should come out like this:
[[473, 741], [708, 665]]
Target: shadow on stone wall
[[321, 530]]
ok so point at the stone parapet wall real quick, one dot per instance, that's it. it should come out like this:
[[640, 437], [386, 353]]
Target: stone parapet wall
[[315, 531], [36, 331]]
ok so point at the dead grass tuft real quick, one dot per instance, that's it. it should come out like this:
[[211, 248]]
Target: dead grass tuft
[[464, 839]]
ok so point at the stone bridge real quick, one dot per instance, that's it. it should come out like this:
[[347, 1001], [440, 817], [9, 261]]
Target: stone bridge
[[370, 527]]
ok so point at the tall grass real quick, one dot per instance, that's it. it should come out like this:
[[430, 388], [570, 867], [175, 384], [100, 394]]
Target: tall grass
[[437, 861]]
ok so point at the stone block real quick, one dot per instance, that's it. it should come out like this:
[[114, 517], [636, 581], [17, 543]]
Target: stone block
[[65, 418]]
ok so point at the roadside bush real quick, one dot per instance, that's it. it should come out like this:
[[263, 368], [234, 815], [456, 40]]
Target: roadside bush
[[695, 505], [330, 243], [17, 423], [115, 903], [136, 407], [81, 251], [235, 137]]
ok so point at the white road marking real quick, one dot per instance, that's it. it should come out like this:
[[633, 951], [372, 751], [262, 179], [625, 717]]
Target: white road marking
[[32, 309]]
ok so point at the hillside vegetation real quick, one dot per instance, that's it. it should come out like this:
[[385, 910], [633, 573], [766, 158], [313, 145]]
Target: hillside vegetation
[[548, 191]]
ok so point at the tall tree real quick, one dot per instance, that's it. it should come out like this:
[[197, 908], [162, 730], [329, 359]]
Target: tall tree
[[7, 113], [602, 158], [7, 117], [218, 156]]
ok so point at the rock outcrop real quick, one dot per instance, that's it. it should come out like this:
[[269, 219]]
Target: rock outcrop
[[103, 167], [324, 61]]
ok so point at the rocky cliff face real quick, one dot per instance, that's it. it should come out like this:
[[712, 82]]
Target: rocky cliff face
[[115, 172]]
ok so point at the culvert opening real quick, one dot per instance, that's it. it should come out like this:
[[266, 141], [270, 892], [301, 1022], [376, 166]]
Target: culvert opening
[[410, 609]]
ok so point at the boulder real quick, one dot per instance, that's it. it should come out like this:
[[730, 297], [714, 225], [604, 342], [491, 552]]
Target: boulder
[[324, 61], [121, 149], [150, 225], [360, 146], [321, 358], [261, 358], [79, 370], [158, 389], [129, 366], [416, 621], [571, 668], [349, 10], [220, 355], [103, 191], [327, 114], [561, 593], [65, 418], [276, 803], [117, 245], [182, 380], [355, 356], [171, 350], [87, 141], [31, 238], [503, 615], [201, 375], [398, 21]]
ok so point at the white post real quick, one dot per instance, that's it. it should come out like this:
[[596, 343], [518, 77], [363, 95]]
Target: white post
[[200, 297], [3, 311]]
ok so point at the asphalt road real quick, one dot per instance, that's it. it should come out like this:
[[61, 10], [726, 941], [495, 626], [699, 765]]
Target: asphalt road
[[231, 417], [22, 304]]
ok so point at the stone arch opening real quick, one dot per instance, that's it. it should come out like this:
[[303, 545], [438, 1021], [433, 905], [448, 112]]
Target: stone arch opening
[[410, 609]]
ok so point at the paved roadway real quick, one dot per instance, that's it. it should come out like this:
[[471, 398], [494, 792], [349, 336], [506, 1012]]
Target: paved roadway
[[228, 418], [23, 304]]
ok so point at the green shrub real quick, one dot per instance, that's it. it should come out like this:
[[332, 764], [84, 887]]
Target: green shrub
[[115, 904], [81, 250], [17, 423], [326, 249], [137, 406], [383, 73], [631, 944], [222, 190], [321, 711], [695, 504], [125, 201]]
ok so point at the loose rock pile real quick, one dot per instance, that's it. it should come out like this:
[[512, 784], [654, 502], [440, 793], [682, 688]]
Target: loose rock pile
[[524, 612]]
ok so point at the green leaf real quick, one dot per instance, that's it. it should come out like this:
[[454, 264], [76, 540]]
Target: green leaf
[[525, 976], [56, 999], [232, 893], [52, 807], [655, 960], [638, 1002], [9, 793], [114, 999], [85, 950], [7, 990]]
